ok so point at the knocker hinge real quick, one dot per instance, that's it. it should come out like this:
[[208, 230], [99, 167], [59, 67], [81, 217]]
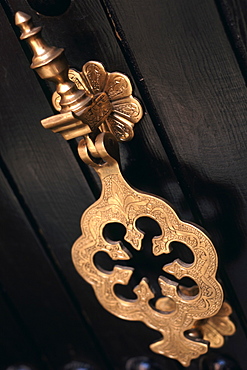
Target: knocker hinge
[[88, 100], [101, 152]]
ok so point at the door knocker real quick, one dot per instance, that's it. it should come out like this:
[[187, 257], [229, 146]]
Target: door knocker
[[100, 107]]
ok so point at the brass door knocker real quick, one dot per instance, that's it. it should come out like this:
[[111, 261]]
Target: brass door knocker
[[100, 107]]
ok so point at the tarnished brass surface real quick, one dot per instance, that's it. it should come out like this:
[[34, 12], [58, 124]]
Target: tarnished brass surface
[[86, 100], [120, 203]]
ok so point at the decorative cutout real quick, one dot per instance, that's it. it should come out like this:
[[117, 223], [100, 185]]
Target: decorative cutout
[[143, 263]]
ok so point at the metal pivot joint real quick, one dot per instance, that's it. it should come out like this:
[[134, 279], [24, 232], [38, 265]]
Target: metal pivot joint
[[97, 103], [88, 100]]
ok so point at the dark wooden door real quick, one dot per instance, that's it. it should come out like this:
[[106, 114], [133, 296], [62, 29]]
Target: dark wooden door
[[187, 60]]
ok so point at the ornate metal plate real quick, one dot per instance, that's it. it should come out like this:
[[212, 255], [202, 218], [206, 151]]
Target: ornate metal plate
[[121, 203]]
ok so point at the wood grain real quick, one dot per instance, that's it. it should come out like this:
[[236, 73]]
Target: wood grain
[[181, 60], [16, 346], [54, 210], [234, 17], [181, 56], [35, 290], [194, 132]]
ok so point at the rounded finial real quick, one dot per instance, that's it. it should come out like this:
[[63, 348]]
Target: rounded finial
[[24, 22], [21, 17]]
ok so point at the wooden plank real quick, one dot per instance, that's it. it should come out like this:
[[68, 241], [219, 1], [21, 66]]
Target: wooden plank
[[93, 40], [88, 36], [56, 197], [36, 292], [234, 18], [47, 170], [192, 77], [16, 345]]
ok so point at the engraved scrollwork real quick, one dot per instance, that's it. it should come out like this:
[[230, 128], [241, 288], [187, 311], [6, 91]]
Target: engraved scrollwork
[[94, 74], [95, 99], [120, 203], [125, 109]]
